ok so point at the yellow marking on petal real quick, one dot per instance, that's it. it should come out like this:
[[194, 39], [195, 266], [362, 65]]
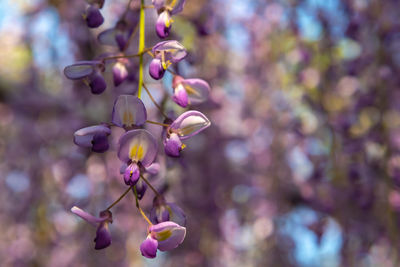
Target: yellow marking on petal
[[191, 128], [191, 90], [183, 146], [140, 153], [161, 236], [127, 118], [133, 152]]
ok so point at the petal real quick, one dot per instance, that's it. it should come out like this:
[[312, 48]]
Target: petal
[[174, 51], [80, 69], [84, 137], [153, 169], [107, 37], [93, 17], [177, 7], [128, 111], [176, 214], [97, 83], [141, 188], [198, 90], [158, 4], [159, 214], [87, 216], [163, 24], [190, 123], [103, 236], [148, 248], [168, 234], [120, 73], [138, 145], [100, 143], [180, 96], [173, 145], [131, 174], [156, 69]]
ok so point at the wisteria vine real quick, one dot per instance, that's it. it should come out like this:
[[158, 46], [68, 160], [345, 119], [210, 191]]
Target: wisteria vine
[[138, 148]]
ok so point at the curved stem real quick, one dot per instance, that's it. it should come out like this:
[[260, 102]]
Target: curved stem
[[141, 46], [158, 123], [138, 206], [128, 56], [154, 101], [149, 184], [119, 199]]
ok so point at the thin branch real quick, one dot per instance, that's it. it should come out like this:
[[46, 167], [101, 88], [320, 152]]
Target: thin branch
[[154, 101], [119, 199]]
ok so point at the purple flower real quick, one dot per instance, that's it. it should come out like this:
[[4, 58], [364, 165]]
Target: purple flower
[[156, 69], [93, 16], [137, 148], [120, 73], [89, 71], [186, 125], [94, 137], [173, 6], [189, 91], [128, 111], [148, 248], [103, 236], [165, 54], [163, 24], [164, 236], [163, 211]]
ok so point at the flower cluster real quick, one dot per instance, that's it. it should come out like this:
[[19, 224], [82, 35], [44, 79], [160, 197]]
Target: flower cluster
[[138, 148]]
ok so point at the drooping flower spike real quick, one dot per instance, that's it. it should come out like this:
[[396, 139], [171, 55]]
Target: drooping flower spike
[[128, 111], [89, 72], [185, 126], [164, 236], [189, 91], [103, 236], [94, 137], [163, 211], [165, 53], [138, 149]]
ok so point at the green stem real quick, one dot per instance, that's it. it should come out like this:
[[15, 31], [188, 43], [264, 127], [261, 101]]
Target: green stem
[[138, 206], [151, 187], [141, 47], [119, 199]]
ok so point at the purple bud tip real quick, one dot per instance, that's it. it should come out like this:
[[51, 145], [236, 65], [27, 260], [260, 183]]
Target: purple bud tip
[[156, 69], [163, 24], [103, 236], [119, 73], [173, 145], [149, 247], [93, 17], [97, 83], [131, 174], [100, 143]]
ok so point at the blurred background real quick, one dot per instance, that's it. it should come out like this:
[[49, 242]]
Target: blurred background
[[301, 166]]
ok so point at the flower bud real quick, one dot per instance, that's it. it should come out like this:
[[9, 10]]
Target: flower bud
[[156, 69], [93, 17]]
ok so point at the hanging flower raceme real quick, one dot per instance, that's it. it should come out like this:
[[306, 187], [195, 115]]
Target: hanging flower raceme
[[163, 211], [164, 236], [89, 72], [185, 126], [128, 111], [103, 236], [138, 149], [189, 91], [165, 9], [165, 53], [94, 137]]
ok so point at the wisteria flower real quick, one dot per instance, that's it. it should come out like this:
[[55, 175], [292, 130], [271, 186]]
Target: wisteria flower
[[89, 72], [94, 137], [165, 53], [164, 236], [103, 236], [128, 111], [189, 91], [173, 6], [138, 149], [163, 211], [185, 126]]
